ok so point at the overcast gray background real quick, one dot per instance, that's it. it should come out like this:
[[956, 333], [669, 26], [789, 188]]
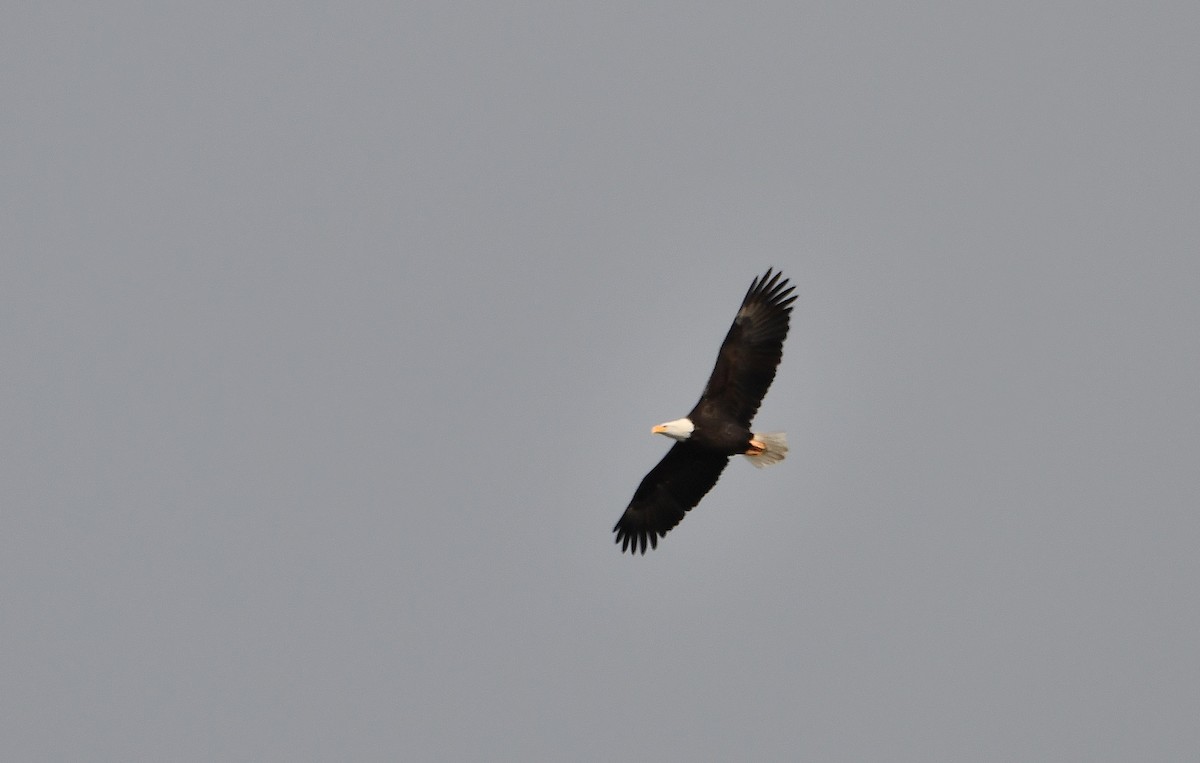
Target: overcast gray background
[[332, 338]]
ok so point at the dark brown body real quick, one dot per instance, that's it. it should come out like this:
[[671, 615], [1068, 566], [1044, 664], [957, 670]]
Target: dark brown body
[[717, 432]]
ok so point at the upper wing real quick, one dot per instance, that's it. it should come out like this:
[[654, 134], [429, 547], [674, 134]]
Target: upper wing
[[752, 349], [673, 487]]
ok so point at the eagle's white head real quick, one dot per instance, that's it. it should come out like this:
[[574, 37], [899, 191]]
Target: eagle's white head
[[679, 429]]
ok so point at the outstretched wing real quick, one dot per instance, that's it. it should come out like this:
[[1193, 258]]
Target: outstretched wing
[[752, 349], [673, 487]]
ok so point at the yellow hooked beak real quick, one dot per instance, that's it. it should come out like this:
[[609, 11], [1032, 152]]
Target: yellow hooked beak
[[658, 429]]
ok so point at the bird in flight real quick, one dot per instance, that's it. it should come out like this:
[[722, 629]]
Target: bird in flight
[[719, 426]]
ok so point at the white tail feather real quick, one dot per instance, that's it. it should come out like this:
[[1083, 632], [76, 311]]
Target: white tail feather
[[774, 452]]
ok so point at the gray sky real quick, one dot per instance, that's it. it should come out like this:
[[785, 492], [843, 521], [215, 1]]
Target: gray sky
[[332, 337]]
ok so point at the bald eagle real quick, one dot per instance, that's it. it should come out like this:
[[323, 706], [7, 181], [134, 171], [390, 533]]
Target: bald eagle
[[719, 426]]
